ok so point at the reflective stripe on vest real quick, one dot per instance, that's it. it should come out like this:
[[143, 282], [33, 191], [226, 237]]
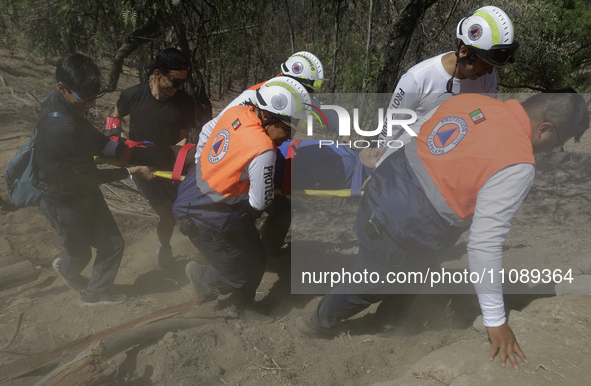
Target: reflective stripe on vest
[[236, 140], [467, 140]]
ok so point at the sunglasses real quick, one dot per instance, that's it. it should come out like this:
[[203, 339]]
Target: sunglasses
[[86, 101], [176, 82]]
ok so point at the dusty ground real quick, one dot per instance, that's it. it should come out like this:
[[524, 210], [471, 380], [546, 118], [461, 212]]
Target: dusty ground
[[432, 342]]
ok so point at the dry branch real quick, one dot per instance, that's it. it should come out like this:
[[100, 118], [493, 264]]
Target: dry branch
[[45, 358], [17, 274], [87, 365], [19, 99], [118, 195], [19, 321], [132, 213]]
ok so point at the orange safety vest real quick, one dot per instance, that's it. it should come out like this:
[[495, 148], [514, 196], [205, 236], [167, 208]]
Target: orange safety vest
[[467, 140], [235, 141]]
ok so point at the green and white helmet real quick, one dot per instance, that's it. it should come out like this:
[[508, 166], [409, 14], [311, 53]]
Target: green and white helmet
[[286, 99], [489, 34], [306, 68]]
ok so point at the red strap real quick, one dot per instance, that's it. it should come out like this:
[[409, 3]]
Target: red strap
[[293, 148], [291, 155], [180, 161], [125, 156], [129, 145]]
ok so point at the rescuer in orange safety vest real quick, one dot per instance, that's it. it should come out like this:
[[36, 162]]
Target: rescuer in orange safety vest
[[230, 185], [471, 165]]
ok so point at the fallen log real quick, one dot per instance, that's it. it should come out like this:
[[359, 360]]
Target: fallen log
[[86, 367], [24, 366], [17, 274]]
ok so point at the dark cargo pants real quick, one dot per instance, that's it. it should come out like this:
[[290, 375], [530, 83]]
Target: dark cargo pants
[[381, 253], [82, 225], [237, 259]]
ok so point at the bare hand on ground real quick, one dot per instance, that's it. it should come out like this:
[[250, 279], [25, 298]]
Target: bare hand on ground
[[504, 342], [142, 171]]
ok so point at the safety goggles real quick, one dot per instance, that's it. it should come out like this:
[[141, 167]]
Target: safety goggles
[[292, 122], [316, 85], [498, 55], [88, 100]]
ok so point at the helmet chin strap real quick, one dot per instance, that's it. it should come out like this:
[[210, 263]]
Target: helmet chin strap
[[458, 60], [270, 121], [470, 59]]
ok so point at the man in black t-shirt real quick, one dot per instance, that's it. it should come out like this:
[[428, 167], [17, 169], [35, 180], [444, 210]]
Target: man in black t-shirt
[[162, 113]]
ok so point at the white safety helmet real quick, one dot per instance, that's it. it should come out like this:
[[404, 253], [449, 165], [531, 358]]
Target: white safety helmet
[[306, 68], [286, 99], [489, 34]]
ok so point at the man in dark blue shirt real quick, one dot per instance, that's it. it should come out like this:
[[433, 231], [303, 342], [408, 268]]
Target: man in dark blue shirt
[[73, 203]]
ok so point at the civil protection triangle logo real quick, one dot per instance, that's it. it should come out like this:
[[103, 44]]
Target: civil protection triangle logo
[[446, 135], [219, 148]]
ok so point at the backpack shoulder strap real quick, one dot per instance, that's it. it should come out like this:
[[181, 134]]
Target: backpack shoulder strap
[[55, 114]]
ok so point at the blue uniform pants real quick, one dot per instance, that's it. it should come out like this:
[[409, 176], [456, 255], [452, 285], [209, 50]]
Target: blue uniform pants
[[381, 253], [237, 259]]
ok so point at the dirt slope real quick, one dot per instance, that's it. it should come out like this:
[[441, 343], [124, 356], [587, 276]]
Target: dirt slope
[[431, 342]]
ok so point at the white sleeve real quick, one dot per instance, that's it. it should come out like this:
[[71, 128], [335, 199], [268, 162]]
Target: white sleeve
[[405, 96], [497, 202], [492, 86], [207, 129], [260, 172]]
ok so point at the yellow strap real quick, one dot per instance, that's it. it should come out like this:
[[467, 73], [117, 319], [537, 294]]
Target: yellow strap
[[299, 192], [108, 161]]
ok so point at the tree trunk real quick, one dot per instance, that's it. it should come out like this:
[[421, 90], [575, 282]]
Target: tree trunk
[[399, 41], [337, 19], [364, 86], [137, 38], [196, 84], [290, 28]]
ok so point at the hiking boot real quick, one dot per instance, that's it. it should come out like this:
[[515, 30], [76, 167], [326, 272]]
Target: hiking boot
[[307, 327], [193, 271], [164, 257], [79, 283], [88, 298]]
